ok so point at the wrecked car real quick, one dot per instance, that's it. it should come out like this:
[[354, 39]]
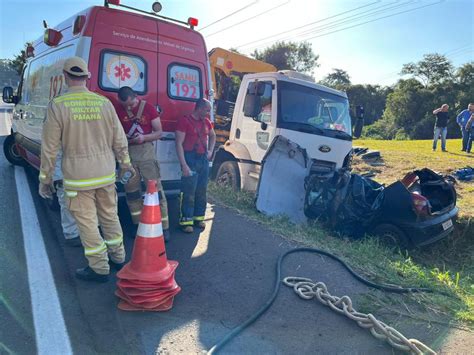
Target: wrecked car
[[417, 210]]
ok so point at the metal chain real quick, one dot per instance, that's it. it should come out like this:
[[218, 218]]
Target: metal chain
[[307, 289]]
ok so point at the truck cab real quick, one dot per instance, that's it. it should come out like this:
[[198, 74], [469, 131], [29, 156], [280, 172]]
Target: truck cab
[[288, 104], [227, 71]]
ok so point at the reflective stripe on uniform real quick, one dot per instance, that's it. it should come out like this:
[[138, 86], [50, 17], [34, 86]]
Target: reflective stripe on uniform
[[90, 182], [79, 96], [136, 213], [116, 241], [70, 194], [42, 176], [92, 251], [186, 222], [199, 218], [146, 230]]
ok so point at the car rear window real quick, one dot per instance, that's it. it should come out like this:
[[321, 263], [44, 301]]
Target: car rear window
[[122, 69], [184, 82]]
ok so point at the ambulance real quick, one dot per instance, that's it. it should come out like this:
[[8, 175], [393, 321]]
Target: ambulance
[[163, 60]]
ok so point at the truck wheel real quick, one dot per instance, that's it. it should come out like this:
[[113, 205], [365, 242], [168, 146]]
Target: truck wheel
[[228, 175], [391, 235], [11, 152]]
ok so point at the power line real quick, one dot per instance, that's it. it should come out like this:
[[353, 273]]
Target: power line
[[379, 18], [308, 24], [454, 53], [231, 14], [248, 19], [337, 23]]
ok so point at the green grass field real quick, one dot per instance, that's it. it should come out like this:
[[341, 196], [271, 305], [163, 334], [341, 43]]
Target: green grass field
[[447, 265], [401, 157]]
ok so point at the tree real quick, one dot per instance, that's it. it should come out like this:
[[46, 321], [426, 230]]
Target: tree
[[339, 79], [20, 59], [289, 55], [235, 50], [433, 69]]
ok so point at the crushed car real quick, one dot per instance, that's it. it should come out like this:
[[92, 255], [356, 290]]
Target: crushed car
[[417, 210]]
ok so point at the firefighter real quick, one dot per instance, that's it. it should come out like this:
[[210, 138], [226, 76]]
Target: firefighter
[[195, 140], [85, 126], [142, 125]]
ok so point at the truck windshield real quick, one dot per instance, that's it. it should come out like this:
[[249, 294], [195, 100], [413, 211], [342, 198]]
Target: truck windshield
[[306, 109]]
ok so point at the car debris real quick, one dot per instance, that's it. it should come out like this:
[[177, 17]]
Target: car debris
[[417, 210], [465, 174]]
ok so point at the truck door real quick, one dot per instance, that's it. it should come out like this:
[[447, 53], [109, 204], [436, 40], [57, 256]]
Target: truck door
[[257, 136]]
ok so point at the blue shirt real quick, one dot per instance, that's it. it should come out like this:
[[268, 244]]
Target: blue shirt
[[463, 117]]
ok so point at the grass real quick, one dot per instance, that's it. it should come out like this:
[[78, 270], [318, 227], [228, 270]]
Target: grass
[[447, 265]]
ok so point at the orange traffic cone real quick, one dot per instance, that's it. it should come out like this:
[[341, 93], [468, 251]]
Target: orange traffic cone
[[147, 282]]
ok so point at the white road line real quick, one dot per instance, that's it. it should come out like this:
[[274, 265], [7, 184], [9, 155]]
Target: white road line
[[50, 329]]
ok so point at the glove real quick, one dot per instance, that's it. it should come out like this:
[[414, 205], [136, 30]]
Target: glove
[[46, 190]]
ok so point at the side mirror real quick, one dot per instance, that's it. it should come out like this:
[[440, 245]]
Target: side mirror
[[8, 96], [222, 108], [359, 123], [360, 111]]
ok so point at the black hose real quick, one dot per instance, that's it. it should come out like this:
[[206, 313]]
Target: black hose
[[234, 332]]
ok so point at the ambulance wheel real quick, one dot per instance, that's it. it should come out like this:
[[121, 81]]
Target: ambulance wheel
[[11, 152], [228, 175], [391, 235]]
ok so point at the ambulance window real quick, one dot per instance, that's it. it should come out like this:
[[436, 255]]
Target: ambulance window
[[184, 82], [45, 79], [120, 69]]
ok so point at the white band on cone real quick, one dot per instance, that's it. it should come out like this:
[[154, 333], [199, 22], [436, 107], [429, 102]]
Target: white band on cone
[[152, 199], [150, 230]]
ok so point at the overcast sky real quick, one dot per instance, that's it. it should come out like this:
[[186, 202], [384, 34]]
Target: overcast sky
[[369, 39]]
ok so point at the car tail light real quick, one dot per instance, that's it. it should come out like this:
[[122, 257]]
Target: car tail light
[[114, 2], [193, 22], [409, 179], [79, 23], [421, 204]]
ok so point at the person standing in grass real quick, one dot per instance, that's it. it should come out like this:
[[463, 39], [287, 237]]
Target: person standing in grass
[[441, 126], [470, 132], [461, 120]]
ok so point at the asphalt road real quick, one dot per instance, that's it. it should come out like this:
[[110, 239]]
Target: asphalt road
[[226, 272]]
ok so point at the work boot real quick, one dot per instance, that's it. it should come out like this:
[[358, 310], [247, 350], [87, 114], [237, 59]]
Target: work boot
[[166, 235], [187, 229], [87, 274], [200, 224], [74, 242], [116, 266]]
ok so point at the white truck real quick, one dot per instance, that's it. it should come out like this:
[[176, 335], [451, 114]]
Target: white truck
[[287, 104]]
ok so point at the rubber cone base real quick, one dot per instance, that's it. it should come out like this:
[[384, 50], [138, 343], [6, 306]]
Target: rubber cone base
[[166, 306], [147, 299]]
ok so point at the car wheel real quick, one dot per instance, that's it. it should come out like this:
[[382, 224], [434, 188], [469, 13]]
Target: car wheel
[[391, 235], [11, 152], [228, 175]]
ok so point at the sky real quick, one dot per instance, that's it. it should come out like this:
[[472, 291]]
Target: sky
[[396, 31]]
